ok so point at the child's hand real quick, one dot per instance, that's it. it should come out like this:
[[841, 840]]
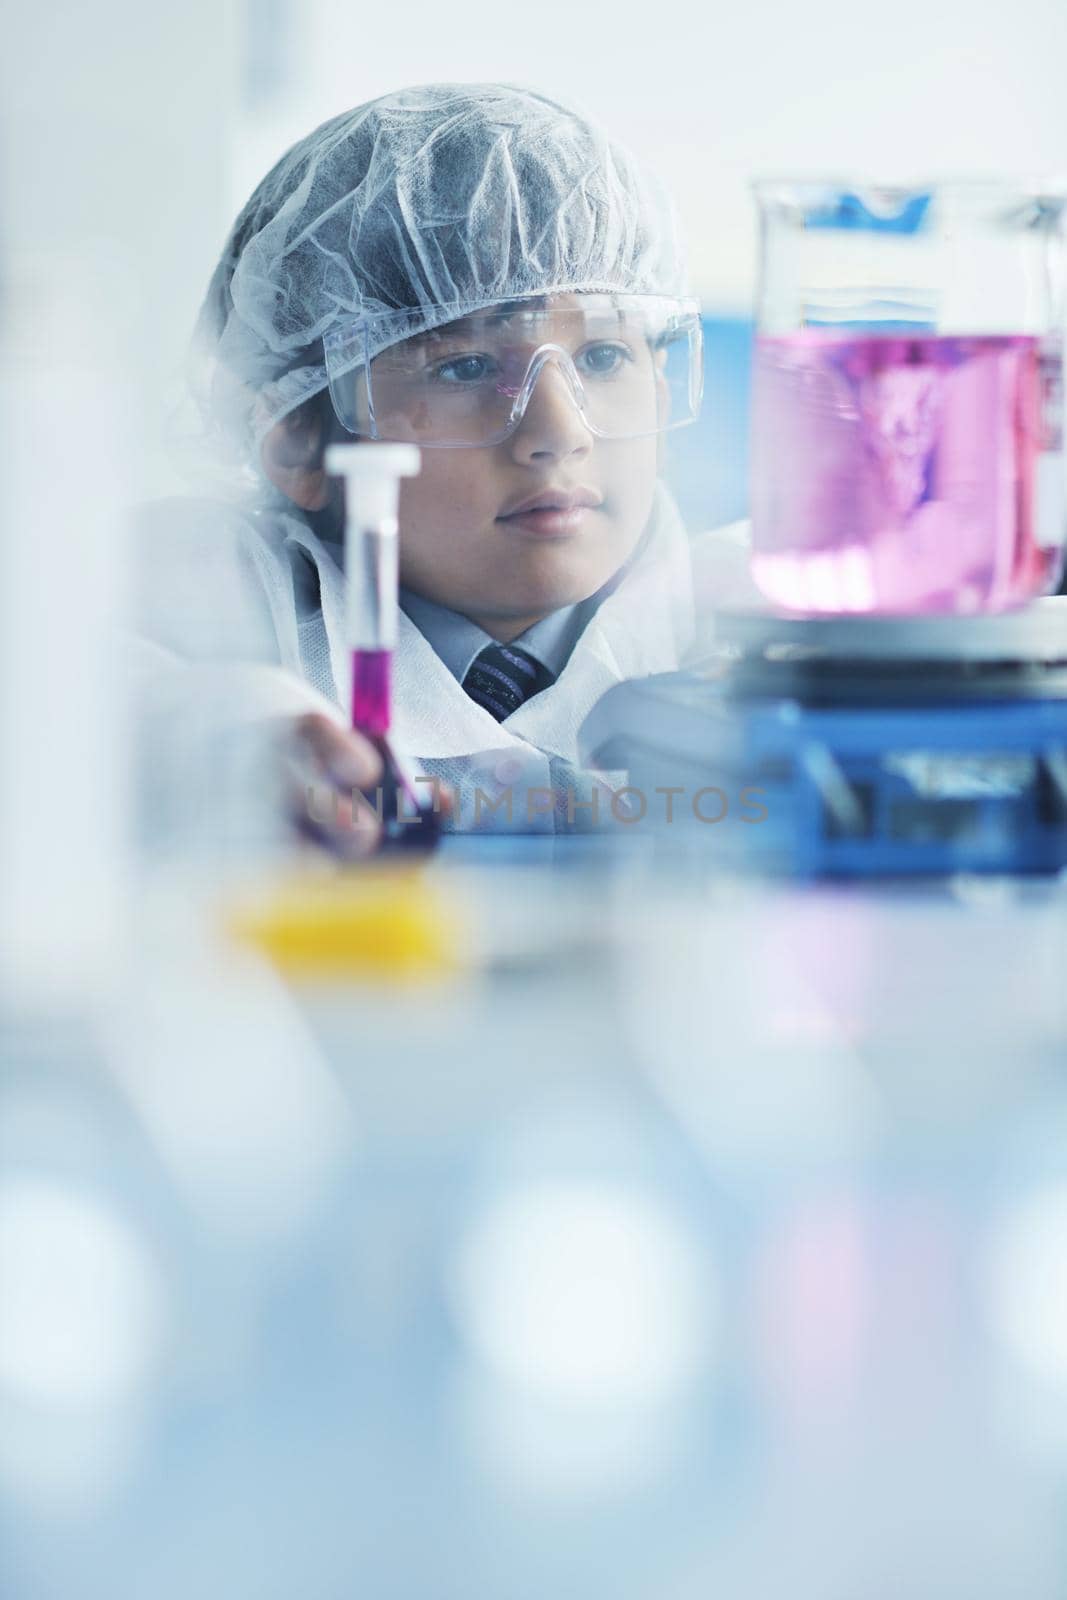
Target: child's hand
[[327, 766]]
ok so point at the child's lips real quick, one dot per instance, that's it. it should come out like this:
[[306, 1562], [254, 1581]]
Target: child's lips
[[551, 523]]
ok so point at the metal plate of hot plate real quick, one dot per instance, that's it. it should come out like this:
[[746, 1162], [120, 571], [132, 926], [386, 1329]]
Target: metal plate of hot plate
[[877, 661]]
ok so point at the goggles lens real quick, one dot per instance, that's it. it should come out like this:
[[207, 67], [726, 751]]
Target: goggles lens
[[632, 365]]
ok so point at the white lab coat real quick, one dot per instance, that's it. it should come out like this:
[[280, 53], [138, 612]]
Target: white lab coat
[[224, 631]]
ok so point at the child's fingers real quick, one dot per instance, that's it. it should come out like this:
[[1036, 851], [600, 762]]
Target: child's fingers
[[345, 826], [347, 759], [327, 766], [355, 816]]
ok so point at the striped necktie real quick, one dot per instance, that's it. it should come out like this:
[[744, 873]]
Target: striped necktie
[[503, 676]]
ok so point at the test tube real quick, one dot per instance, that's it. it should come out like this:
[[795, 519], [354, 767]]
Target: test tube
[[372, 474]]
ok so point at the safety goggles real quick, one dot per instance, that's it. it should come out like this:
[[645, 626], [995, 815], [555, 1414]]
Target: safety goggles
[[632, 364]]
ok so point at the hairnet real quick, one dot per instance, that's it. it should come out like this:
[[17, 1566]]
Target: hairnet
[[442, 199]]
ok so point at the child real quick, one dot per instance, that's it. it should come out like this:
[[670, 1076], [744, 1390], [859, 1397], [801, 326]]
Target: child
[[478, 269]]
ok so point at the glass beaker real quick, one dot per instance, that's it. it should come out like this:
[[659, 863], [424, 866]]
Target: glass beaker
[[907, 448]]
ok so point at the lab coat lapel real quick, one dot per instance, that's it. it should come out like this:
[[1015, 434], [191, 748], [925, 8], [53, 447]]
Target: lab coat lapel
[[434, 716]]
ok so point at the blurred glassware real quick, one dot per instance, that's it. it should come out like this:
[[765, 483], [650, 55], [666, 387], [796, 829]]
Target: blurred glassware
[[907, 441]]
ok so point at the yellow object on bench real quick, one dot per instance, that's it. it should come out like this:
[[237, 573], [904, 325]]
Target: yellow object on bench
[[386, 925]]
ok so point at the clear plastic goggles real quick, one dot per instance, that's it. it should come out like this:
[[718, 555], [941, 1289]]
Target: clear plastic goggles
[[633, 365]]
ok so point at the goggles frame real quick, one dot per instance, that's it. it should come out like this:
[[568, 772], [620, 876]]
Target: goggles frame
[[352, 351]]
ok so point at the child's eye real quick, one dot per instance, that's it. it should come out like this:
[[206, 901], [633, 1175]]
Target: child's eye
[[464, 370], [605, 360]]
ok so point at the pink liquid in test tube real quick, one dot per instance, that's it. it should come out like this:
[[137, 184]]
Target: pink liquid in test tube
[[371, 683], [905, 473]]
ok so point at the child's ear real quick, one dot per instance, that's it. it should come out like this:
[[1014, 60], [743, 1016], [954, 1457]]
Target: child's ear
[[292, 456]]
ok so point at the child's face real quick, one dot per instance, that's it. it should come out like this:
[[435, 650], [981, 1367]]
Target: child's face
[[458, 545], [458, 548]]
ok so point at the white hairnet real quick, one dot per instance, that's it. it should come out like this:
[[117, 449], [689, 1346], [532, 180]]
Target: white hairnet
[[441, 196]]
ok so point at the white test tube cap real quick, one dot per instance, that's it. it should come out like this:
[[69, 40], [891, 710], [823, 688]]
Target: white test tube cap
[[373, 472]]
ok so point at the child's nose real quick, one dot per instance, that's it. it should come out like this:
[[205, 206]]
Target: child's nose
[[551, 423]]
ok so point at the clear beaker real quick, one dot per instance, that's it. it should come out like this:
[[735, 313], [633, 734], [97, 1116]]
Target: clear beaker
[[907, 447]]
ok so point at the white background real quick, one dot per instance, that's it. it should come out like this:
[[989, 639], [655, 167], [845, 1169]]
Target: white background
[[708, 95]]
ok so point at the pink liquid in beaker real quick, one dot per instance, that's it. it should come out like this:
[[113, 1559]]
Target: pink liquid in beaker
[[913, 473], [371, 680]]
